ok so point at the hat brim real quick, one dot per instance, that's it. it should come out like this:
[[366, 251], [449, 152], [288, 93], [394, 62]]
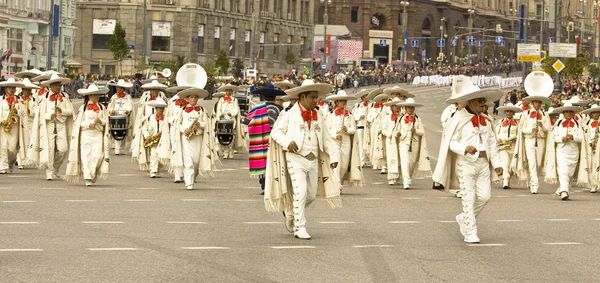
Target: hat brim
[[226, 87], [153, 86], [84, 92], [176, 89], [126, 85], [336, 97], [562, 109], [270, 92], [392, 103], [491, 94], [591, 110], [201, 93], [284, 84], [218, 94], [543, 99], [510, 108], [321, 88], [381, 97], [155, 105], [374, 93], [410, 104], [26, 74], [62, 81], [160, 80], [361, 93], [30, 86], [399, 91], [13, 84]]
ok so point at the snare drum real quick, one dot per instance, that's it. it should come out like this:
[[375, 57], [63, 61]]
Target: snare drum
[[225, 131], [118, 125]]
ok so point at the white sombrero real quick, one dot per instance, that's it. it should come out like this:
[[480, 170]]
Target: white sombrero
[[361, 93], [200, 93], [228, 86], [158, 102], [154, 78], [567, 106], [395, 101], [464, 90], [28, 84], [11, 83], [56, 79], [381, 98], [341, 95], [510, 107], [308, 86], [154, 85], [594, 108], [399, 90], [551, 111], [28, 74], [176, 89], [218, 94], [92, 89], [46, 75], [121, 83], [285, 83], [410, 102], [539, 87], [375, 92], [576, 101]]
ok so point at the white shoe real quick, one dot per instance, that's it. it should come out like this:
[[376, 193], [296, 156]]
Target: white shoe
[[49, 177], [564, 195], [472, 238], [21, 167], [3, 172], [88, 183], [302, 234], [391, 183], [461, 225], [190, 187], [593, 190]]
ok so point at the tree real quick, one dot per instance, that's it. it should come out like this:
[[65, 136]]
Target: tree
[[238, 68], [574, 67], [290, 57], [547, 66], [210, 69], [594, 71], [117, 44], [222, 62]]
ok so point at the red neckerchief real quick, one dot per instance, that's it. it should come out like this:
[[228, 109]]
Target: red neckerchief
[[320, 103], [526, 107], [55, 96], [227, 98], [192, 108], [395, 116], [181, 102], [477, 120], [28, 98], [533, 114], [377, 105], [568, 124], [509, 121], [594, 124], [365, 103], [42, 91], [340, 111], [409, 119], [11, 100], [308, 115], [576, 117], [120, 95], [93, 106], [160, 117], [152, 98]]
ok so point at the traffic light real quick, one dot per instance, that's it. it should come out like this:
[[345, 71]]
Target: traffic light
[[571, 26], [498, 28], [440, 57]]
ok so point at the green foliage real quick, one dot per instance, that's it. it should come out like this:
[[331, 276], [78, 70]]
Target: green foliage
[[594, 71], [141, 64], [547, 66], [238, 68], [574, 67], [117, 44], [222, 62], [210, 69], [173, 65], [290, 57]]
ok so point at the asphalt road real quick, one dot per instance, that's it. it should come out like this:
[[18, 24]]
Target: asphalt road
[[131, 228]]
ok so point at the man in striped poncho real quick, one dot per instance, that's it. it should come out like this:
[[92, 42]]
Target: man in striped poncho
[[262, 118]]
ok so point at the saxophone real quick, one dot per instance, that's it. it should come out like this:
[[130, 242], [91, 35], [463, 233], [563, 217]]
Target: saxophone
[[153, 141], [12, 118], [193, 131]]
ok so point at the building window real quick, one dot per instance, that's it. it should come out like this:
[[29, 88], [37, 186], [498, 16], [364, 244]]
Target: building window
[[219, 5], [201, 38], [102, 30], [15, 40], [289, 41], [262, 45], [354, 15], [68, 46], [538, 10], [277, 8], [293, 10], [217, 37], [247, 44], [302, 46], [400, 17], [232, 42], [276, 46], [161, 36], [321, 15]]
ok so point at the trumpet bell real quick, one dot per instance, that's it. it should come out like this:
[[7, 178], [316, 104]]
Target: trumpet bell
[[538, 84], [166, 72], [192, 75]]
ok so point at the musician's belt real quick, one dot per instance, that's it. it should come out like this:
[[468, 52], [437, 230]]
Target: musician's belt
[[482, 154], [360, 127]]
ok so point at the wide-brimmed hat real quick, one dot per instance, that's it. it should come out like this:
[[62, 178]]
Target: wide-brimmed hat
[[158, 102], [341, 95], [285, 83], [56, 79], [28, 84], [397, 89], [375, 92], [46, 75], [270, 91], [154, 78], [361, 93], [176, 89], [308, 86], [576, 101], [154, 85], [594, 108], [464, 90], [218, 94], [92, 89], [228, 86], [381, 98], [395, 101], [11, 83], [510, 107], [121, 83], [551, 111], [28, 74], [567, 106], [201, 93], [410, 102]]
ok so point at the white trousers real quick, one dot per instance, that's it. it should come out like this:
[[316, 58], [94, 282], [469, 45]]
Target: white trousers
[[191, 158], [304, 174], [360, 133], [154, 161], [57, 147], [177, 172], [506, 157], [9, 143], [119, 145], [345, 148], [91, 153], [566, 162], [407, 161], [534, 159], [475, 186]]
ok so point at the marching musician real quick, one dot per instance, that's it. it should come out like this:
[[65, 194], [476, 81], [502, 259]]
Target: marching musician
[[377, 146], [173, 112], [154, 90], [389, 132], [10, 125], [398, 92], [29, 109], [153, 129], [592, 132], [368, 135], [360, 116], [52, 126], [228, 109], [41, 78], [412, 145], [122, 104], [507, 131], [89, 155]]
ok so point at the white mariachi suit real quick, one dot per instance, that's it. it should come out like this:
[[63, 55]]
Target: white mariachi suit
[[567, 153], [121, 106], [30, 106], [344, 146], [311, 138], [191, 148], [9, 142], [447, 114], [91, 141], [408, 159], [173, 112], [534, 154], [389, 131], [507, 130], [376, 143], [228, 110], [152, 126], [324, 109], [361, 110], [592, 132]]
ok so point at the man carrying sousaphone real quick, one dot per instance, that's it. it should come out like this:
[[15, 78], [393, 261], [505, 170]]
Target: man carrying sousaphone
[[121, 104], [229, 110]]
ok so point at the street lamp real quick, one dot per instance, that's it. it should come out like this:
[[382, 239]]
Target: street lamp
[[404, 4], [325, 22], [471, 12]]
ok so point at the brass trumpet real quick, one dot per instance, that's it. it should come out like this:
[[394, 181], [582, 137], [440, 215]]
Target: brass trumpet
[[154, 139]]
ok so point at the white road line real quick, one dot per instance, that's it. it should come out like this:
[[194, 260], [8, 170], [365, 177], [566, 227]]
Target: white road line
[[17, 176], [597, 219], [378, 183], [126, 175], [373, 246], [51, 188], [247, 200], [412, 198], [102, 222], [21, 250], [185, 222], [371, 198], [112, 249], [19, 223], [139, 200], [80, 200], [292, 247], [404, 222], [252, 187], [193, 199], [447, 221], [148, 188], [486, 245], [264, 222], [336, 222], [509, 220], [205, 248], [18, 201], [563, 243], [523, 195], [501, 196], [558, 220]]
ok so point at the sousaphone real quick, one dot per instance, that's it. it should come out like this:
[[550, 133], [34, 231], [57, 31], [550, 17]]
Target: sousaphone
[[192, 75], [538, 83]]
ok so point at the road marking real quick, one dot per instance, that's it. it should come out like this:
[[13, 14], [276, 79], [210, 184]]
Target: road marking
[[17, 176], [597, 219], [336, 222], [247, 200], [252, 187], [523, 195], [373, 246], [21, 250], [371, 198], [447, 221], [264, 222], [486, 245], [81, 200], [194, 199], [19, 223], [205, 248], [148, 188], [558, 220], [52, 188], [139, 200], [292, 247], [17, 201], [226, 169], [112, 249], [412, 198], [509, 220], [126, 175], [564, 243], [102, 222], [378, 183], [185, 222], [404, 222], [501, 196]]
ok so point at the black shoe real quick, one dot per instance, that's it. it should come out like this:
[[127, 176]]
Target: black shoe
[[262, 193], [506, 187], [438, 187]]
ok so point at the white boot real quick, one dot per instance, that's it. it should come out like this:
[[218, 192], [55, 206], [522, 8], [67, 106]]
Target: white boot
[[302, 234]]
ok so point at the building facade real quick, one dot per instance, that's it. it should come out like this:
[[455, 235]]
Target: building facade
[[25, 29], [195, 30]]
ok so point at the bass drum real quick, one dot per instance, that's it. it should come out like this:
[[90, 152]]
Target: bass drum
[[118, 125], [225, 131]]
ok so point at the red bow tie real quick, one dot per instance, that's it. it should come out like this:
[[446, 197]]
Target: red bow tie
[[340, 111], [194, 108], [11, 100], [56, 96], [365, 103], [320, 103], [152, 98], [478, 120], [227, 98], [308, 115], [28, 98], [576, 117], [594, 124], [509, 122], [525, 108], [568, 124], [94, 107], [533, 114], [409, 119], [42, 91], [160, 117], [395, 116], [377, 105], [120, 95], [181, 102]]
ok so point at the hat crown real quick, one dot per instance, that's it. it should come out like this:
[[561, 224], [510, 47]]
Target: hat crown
[[462, 84], [92, 87], [410, 100], [54, 77], [342, 93], [121, 82], [11, 80], [308, 82]]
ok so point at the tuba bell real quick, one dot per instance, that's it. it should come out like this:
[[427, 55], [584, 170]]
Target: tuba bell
[[166, 72], [538, 84], [191, 74]]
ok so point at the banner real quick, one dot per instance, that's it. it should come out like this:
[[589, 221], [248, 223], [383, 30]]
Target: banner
[[103, 26], [161, 29]]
